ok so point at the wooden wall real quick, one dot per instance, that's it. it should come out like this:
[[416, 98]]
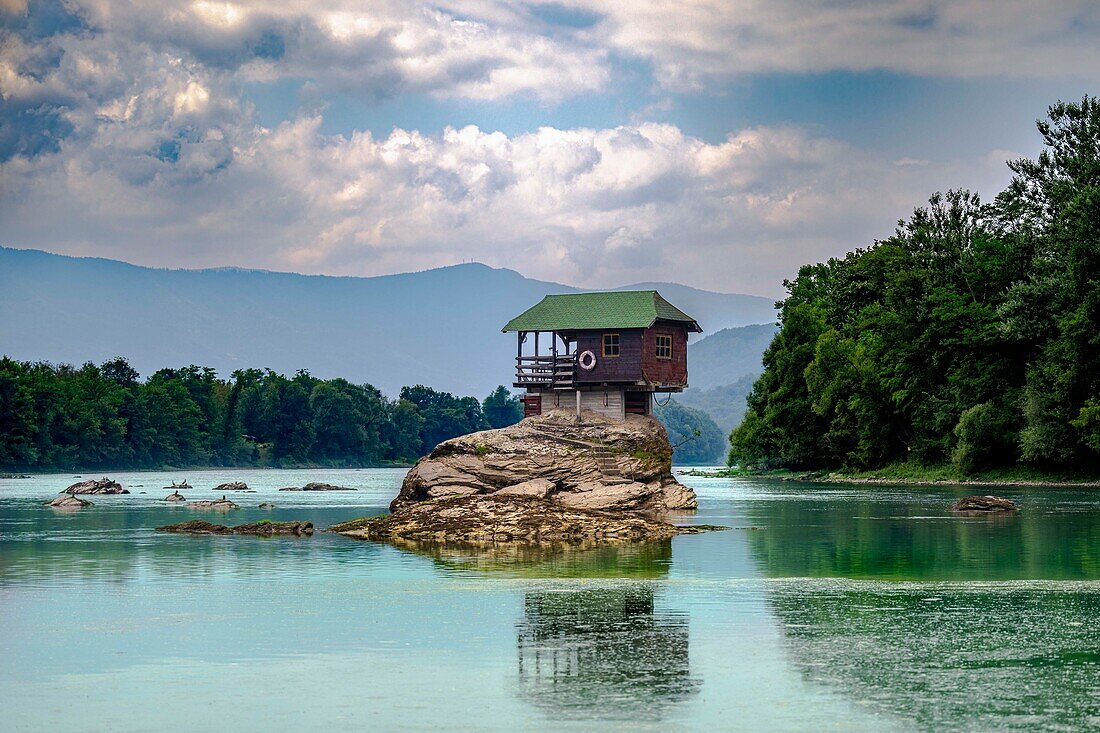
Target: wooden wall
[[671, 372], [607, 402], [626, 367], [637, 361]]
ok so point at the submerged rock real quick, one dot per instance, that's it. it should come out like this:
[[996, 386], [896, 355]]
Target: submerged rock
[[96, 486], [508, 518], [175, 496], [984, 504], [221, 504], [266, 505], [15, 475], [232, 486], [263, 528], [597, 463], [318, 486], [68, 501]]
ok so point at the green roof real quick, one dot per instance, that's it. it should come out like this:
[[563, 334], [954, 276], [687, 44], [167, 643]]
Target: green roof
[[598, 311]]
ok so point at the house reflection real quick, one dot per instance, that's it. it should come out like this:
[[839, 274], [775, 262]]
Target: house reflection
[[608, 651]]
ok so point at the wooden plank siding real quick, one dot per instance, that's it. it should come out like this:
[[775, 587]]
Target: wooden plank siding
[[626, 367], [665, 372], [637, 363]]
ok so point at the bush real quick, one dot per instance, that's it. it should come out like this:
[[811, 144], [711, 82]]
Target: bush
[[984, 438]]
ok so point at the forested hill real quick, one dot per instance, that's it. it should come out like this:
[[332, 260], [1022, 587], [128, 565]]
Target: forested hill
[[439, 327], [972, 335]]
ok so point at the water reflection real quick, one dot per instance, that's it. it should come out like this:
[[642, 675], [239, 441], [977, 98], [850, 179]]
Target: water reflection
[[951, 623], [119, 545], [1055, 537], [603, 653], [574, 560], [1008, 656]]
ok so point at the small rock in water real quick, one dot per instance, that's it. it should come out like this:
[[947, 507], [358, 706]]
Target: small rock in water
[[175, 496], [94, 486], [15, 475], [984, 504], [318, 486], [264, 528], [68, 501], [221, 504], [267, 505], [232, 486]]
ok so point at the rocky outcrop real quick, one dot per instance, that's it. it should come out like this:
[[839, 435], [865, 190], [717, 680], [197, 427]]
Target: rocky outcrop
[[221, 504], [175, 496], [596, 463], [984, 505], [232, 486], [68, 501], [182, 485], [508, 518], [317, 486], [263, 528], [96, 486]]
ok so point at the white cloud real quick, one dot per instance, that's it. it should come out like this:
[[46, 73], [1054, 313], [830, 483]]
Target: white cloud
[[594, 206], [690, 42]]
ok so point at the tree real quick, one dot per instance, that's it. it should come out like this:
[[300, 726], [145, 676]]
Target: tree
[[969, 335], [501, 408], [694, 436]]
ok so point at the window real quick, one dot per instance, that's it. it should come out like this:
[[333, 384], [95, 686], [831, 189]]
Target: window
[[611, 344], [664, 347]]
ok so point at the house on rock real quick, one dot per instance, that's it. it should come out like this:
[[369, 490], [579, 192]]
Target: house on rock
[[607, 352]]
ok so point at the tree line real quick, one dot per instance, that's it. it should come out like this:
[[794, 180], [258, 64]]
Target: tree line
[[65, 417], [970, 336]]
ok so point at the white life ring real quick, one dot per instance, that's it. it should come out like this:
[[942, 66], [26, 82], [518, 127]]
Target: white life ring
[[587, 360]]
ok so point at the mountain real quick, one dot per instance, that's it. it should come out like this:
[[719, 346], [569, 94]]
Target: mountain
[[439, 327], [724, 357]]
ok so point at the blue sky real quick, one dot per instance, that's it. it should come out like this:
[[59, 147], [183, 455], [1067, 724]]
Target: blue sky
[[719, 144]]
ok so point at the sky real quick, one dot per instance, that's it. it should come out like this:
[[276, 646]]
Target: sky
[[591, 142]]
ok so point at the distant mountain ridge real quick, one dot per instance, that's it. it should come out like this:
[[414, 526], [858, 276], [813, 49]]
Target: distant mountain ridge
[[439, 327]]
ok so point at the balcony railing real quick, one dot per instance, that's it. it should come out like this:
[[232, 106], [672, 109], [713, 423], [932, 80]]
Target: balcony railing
[[551, 372]]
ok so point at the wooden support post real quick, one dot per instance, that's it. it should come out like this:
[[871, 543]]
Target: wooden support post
[[578, 405]]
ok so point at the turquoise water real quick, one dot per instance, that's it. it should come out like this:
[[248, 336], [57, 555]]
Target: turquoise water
[[826, 608]]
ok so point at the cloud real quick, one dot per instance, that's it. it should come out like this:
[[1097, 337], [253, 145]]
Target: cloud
[[693, 42], [593, 206]]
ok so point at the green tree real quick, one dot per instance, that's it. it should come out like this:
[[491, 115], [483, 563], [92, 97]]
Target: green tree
[[501, 408]]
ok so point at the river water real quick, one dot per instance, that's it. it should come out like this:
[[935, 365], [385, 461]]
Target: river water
[[824, 608]]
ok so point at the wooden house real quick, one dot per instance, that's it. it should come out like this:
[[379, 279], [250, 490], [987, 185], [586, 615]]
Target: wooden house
[[607, 352]]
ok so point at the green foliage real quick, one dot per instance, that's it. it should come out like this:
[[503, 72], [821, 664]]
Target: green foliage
[[970, 335], [694, 436], [984, 438], [61, 417], [445, 416], [501, 408]]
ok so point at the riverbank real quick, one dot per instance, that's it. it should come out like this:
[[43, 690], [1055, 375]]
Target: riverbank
[[913, 475]]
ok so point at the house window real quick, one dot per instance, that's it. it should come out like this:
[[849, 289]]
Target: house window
[[664, 347], [611, 344]]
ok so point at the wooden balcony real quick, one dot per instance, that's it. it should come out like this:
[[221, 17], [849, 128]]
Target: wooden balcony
[[546, 372]]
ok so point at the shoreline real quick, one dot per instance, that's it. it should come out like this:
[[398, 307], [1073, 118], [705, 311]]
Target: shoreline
[[857, 480], [31, 473]]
